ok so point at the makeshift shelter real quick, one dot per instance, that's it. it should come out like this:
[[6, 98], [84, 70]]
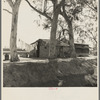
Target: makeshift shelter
[[41, 49]]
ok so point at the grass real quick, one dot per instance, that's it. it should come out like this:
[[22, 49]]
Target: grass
[[76, 72]]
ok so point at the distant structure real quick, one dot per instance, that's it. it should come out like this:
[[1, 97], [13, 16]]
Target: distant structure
[[22, 50], [41, 49], [6, 53], [24, 46]]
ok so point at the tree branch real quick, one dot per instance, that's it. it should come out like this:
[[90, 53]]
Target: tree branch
[[91, 7], [17, 2], [93, 37], [10, 3], [49, 8], [8, 11], [64, 15], [42, 13]]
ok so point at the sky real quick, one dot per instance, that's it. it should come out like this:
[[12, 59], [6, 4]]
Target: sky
[[28, 30]]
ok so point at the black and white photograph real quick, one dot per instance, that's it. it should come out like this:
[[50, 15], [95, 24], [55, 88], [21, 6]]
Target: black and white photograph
[[50, 43]]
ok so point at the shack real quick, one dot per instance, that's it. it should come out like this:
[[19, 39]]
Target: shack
[[41, 49]]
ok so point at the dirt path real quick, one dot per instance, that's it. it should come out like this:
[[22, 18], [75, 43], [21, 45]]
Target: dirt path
[[37, 60]]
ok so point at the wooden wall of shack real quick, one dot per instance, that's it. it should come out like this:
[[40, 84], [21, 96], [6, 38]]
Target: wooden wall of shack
[[41, 49]]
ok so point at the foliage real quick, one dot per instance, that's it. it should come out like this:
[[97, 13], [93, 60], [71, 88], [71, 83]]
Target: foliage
[[86, 26]]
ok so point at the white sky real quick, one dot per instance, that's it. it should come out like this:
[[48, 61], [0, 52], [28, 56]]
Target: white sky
[[28, 31]]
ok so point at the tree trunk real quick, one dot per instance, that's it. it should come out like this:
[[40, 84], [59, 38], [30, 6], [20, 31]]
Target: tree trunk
[[13, 37], [71, 35], [71, 40], [52, 46]]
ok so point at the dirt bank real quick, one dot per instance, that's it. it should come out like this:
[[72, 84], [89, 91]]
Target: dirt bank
[[77, 72]]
